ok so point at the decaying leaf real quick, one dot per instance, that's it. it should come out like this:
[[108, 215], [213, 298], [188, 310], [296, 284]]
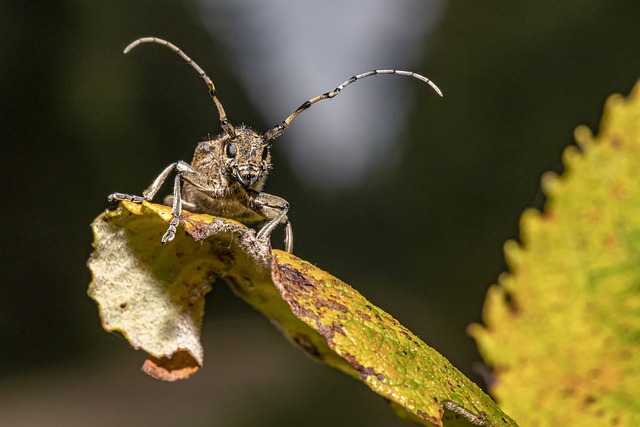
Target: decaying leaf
[[562, 328], [388, 357], [154, 295]]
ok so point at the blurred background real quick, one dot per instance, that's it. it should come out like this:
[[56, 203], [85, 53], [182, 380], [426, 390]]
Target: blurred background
[[406, 196]]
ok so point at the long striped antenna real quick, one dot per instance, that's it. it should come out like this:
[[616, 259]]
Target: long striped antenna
[[276, 131], [227, 127]]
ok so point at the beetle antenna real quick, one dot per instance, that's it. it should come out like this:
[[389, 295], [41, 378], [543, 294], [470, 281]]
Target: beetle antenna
[[224, 122], [276, 131]]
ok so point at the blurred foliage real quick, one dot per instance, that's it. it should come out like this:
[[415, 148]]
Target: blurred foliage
[[562, 327]]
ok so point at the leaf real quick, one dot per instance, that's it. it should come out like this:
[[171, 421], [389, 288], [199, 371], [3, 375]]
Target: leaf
[[154, 295], [388, 357], [562, 328]]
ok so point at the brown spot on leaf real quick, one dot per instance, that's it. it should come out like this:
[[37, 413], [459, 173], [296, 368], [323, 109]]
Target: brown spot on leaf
[[588, 400], [617, 142], [293, 278], [363, 372], [300, 311], [433, 420], [326, 331], [331, 304], [406, 334], [364, 315], [297, 284], [338, 328], [511, 303]]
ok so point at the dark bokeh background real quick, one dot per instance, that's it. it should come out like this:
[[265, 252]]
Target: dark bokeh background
[[423, 240]]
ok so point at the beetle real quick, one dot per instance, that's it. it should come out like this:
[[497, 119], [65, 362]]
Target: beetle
[[227, 173]]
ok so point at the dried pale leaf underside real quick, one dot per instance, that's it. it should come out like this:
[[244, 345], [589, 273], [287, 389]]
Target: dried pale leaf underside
[[153, 294]]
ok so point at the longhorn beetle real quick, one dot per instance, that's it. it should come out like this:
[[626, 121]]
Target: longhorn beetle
[[227, 173]]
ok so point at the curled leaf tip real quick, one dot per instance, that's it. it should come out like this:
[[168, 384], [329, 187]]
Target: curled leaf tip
[[179, 366]]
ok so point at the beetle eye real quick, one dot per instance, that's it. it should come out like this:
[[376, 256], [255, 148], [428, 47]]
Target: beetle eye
[[231, 150], [265, 153]]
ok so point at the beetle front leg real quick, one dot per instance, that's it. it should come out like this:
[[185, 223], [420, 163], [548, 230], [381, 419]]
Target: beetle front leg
[[147, 194], [274, 209], [288, 237], [176, 210]]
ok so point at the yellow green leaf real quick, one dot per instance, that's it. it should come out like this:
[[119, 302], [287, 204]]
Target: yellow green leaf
[[388, 357], [154, 295], [562, 328]]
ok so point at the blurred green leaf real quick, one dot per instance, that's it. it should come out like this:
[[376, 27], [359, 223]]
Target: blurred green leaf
[[563, 326], [154, 295]]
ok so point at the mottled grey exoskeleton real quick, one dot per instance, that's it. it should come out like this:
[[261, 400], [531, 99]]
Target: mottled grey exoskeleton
[[227, 173]]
